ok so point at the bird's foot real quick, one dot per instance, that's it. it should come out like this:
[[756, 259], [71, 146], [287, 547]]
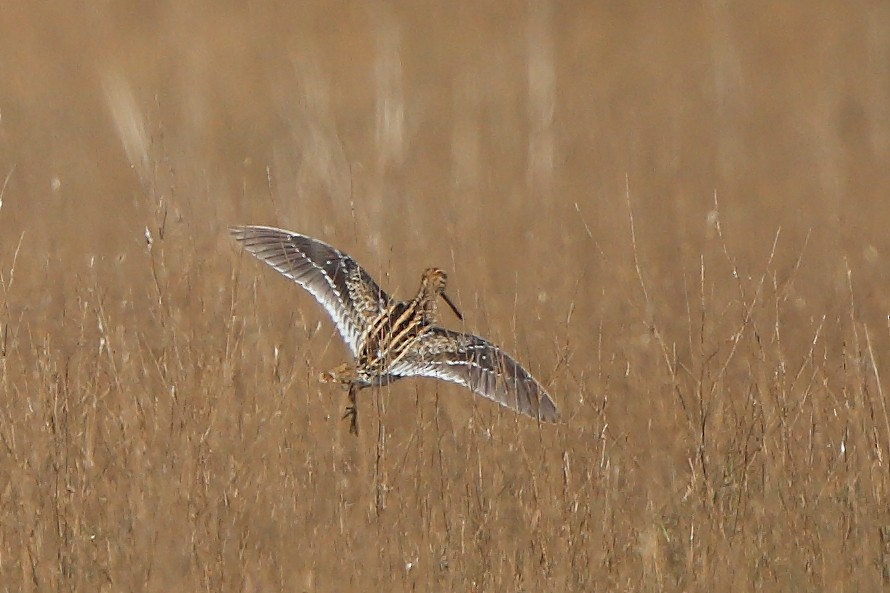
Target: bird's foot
[[345, 374], [352, 414], [352, 410]]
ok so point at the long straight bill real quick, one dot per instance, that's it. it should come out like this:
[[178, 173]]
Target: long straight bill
[[453, 306]]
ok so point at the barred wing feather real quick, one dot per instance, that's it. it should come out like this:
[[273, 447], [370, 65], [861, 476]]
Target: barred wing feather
[[346, 291], [481, 366]]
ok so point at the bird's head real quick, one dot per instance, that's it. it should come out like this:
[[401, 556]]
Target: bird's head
[[433, 282]]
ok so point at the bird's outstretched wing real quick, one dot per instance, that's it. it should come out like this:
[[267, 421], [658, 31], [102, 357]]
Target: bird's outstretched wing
[[344, 289], [481, 366]]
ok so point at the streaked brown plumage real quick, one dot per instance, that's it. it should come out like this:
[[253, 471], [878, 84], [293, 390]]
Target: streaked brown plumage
[[391, 339]]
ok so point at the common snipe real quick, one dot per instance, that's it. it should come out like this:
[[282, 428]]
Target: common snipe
[[391, 339]]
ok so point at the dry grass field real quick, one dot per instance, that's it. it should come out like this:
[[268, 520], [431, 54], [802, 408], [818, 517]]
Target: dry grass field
[[675, 215]]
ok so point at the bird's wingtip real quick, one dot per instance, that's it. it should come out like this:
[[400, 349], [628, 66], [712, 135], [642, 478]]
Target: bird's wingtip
[[547, 411]]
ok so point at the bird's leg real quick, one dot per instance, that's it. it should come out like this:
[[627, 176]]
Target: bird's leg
[[345, 375], [352, 410]]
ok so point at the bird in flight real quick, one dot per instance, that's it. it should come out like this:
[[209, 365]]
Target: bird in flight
[[391, 339]]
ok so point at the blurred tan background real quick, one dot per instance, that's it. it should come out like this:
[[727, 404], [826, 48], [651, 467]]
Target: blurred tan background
[[675, 215]]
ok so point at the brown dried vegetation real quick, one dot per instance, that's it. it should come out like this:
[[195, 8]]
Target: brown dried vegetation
[[719, 361]]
